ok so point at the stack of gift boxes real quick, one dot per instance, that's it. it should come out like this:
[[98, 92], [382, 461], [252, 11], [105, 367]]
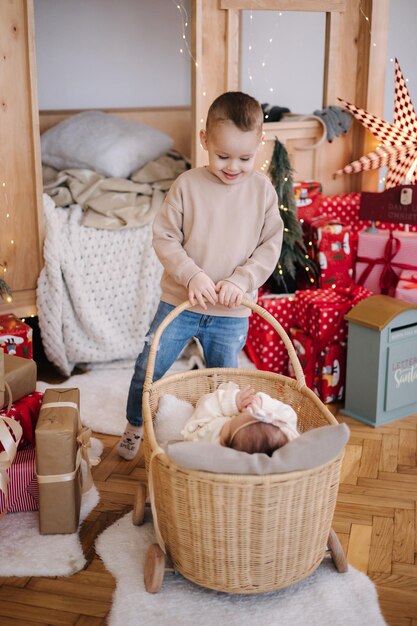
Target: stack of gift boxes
[[41, 438], [355, 259]]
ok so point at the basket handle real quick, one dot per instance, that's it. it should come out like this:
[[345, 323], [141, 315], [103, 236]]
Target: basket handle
[[298, 370]]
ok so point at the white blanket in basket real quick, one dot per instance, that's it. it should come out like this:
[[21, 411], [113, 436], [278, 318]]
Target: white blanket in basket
[[98, 290]]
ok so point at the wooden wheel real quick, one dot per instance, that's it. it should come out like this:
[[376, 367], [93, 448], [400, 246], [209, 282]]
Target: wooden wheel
[[138, 512], [337, 553], [154, 568]]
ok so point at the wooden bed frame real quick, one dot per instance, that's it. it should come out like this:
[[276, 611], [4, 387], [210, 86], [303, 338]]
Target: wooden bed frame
[[354, 69]]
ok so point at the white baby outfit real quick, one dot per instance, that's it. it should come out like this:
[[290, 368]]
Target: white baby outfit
[[213, 410]]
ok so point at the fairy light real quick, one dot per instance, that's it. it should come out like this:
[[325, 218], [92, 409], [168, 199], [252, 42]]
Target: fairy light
[[369, 24], [185, 23], [4, 263], [265, 63]]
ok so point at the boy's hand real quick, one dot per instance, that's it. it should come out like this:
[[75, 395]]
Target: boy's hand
[[201, 286], [229, 295], [245, 397]]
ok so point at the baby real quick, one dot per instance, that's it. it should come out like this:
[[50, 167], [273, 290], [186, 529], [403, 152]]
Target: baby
[[242, 419]]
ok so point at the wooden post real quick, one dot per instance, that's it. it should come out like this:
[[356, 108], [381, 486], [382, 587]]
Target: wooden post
[[20, 161]]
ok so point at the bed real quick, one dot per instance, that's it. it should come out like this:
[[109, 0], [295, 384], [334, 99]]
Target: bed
[[104, 179]]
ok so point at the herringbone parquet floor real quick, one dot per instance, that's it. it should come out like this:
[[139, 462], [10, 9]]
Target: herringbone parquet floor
[[375, 520]]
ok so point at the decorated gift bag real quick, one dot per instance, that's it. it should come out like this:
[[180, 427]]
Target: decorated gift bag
[[328, 242], [15, 336]]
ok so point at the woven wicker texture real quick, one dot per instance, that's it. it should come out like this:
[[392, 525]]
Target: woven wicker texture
[[234, 533]]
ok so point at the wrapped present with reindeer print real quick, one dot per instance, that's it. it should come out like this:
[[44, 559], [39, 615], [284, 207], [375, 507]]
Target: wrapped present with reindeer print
[[324, 370], [15, 336], [328, 242], [382, 256], [263, 345]]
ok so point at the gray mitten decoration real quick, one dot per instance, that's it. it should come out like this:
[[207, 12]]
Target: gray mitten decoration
[[336, 119]]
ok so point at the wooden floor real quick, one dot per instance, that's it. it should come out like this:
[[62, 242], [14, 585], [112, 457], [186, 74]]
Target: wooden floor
[[375, 520]]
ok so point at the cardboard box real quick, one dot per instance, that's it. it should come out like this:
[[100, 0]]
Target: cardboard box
[[59, 476]]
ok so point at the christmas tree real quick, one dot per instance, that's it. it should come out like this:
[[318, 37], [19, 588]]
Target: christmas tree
[[5, 290], [294, 257]]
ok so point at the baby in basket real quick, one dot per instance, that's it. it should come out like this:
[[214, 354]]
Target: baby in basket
[[242, 419]]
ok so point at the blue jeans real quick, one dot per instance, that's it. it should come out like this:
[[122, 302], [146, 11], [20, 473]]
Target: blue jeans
[[221, 338]]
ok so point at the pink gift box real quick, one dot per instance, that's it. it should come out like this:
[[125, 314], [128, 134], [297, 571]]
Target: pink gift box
[[407, 287], [382, 257]]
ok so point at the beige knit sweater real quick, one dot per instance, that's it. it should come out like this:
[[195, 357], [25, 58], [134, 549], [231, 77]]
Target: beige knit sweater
[[231, 232]]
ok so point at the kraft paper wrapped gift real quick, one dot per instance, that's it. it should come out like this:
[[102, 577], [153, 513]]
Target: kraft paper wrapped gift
[[58, 461], [20, 376]]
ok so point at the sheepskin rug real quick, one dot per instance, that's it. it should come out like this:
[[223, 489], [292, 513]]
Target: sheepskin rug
[[24, 552], [326, 598]]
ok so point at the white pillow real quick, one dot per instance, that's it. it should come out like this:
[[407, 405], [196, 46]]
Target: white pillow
[[104, 143]]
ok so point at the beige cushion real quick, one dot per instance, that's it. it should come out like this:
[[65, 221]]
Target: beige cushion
[[311, 449], [102, 142]]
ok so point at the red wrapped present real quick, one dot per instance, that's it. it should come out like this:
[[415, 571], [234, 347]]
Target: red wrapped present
[[382, 255], [329, 244], [329, 382], [15, 336], [308, 195], [406, 288], [263, 345], [26, 412], [22, 492], [324, 370], [345, 207], [320, 312]]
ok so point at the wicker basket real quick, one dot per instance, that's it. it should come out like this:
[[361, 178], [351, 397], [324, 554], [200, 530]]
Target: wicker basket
[[240, 533]]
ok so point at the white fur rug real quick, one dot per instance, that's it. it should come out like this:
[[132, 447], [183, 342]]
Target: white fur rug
[[326, 598], [104, 392], [24, 552]]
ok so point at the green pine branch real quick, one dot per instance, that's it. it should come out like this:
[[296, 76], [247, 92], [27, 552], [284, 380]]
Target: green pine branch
[[294, 253]]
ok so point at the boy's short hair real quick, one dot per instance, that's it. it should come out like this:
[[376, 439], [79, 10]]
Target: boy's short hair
[[240, 108], [258, 437]]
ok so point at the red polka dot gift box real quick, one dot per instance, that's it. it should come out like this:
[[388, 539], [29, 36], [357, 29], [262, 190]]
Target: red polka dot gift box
[[319, 336], [263, 346], [320, 312]]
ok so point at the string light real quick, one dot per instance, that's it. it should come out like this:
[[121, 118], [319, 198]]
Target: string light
[[4, 263], [184, 19], [369, 24], [265, 63]]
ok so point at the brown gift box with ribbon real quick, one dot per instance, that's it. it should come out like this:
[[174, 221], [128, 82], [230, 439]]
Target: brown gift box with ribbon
[[60, 443], [19, 378]]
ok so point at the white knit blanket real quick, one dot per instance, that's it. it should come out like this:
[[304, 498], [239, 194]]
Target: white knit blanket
[[98, 290]]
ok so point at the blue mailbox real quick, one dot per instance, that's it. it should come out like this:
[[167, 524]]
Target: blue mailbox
[[381, 371]]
